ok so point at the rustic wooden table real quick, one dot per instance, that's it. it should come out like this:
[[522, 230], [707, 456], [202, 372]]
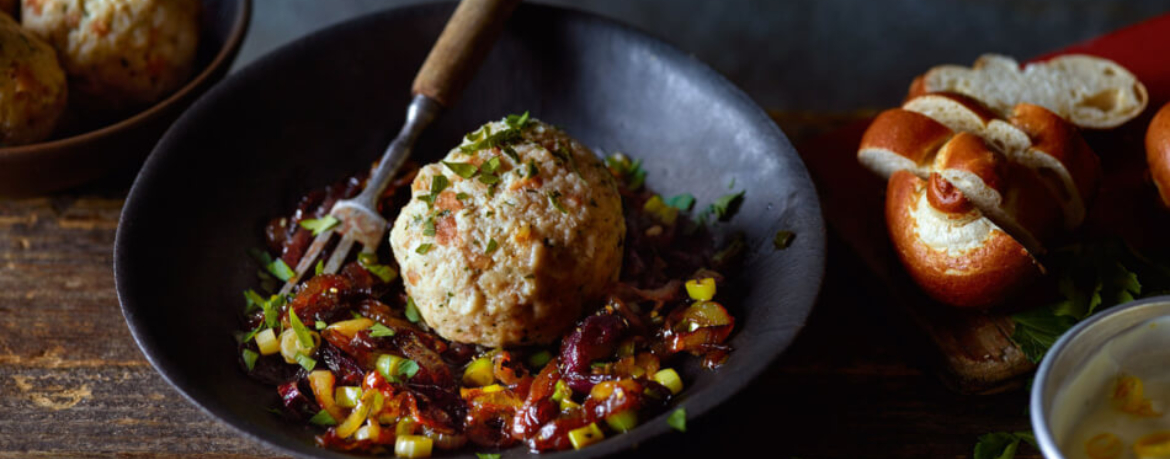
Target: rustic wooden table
[[856, 383]]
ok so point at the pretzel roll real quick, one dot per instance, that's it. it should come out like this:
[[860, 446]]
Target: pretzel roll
[[950, 249], [1158, 152], [901, 140], [1062, 158]]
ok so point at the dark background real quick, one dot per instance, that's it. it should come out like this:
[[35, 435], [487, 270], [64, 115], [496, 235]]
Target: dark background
[[806, 55]]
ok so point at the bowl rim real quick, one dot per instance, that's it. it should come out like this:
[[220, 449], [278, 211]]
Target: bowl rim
[[223, 57], [1036, 406], [696, 404]]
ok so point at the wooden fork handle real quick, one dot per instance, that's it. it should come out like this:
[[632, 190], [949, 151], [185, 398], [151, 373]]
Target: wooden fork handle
[[466, 40]]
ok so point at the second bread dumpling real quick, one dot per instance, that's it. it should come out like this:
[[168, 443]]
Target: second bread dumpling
[[119, 54]]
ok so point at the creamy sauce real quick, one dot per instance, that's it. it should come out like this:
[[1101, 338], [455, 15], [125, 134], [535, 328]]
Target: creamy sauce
[[1086, 407]]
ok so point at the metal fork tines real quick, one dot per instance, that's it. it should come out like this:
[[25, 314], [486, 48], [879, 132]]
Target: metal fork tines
[[360, 221]]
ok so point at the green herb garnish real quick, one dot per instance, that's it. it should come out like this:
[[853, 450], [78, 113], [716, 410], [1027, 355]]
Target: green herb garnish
[[464, 170], [462, 196], [424, 248], [370, 261], [487, 455], [517, 121], [678, 420], [379, 331], [492, 245], [429, 227], [299, 328], [281, 270], [306, 362], [491, 165], [682, 202], [539, 359], [726, 206], [407, 368], [438, 183], [511, 153], [629, 171], [555, 198], [320, 268], [532, 169], [1002, 445], [320, 325], [783, 239], [323, 418], [489, 179], [411, 310], [250, 357], [320, 225]]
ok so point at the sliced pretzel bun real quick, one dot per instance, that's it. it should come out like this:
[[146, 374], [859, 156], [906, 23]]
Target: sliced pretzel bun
[[1009, 194], [1033, 137], [901, 140], [1088, 91], [1158, 152], [950, 249]]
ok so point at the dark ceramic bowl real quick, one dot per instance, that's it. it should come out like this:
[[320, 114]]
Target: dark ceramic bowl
[[326, 106], [86, 153]]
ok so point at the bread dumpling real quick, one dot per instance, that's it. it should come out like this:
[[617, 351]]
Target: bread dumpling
[[32, 89]]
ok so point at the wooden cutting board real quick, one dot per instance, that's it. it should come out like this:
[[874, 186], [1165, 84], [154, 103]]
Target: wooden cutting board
[[975, 348]]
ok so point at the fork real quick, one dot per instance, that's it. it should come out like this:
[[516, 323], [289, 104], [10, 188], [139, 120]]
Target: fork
[[460, 49]]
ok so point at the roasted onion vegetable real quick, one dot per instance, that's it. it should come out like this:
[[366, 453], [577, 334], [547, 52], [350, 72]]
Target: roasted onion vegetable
[[348, 354]]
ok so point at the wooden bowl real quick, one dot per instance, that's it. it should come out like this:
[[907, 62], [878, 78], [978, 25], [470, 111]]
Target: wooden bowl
[[75, 159]]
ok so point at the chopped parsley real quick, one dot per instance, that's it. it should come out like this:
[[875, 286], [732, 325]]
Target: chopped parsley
[[532, 170], [370, 261], [682, 202], [306, 362], [626, 170], [320, 268], [726, 206], [378, 331], [438, 183], [517, 121], [491, 165], [411, 310], [462, 196], [511, 153], [554, 197], [484, 139], [464, 170], [489, 179], [678, 420], [320, 225], [429, 227], [300, 330], [250, 357], [424, 248], [323, 419], [783, 239], [491, 246], [320, 325]]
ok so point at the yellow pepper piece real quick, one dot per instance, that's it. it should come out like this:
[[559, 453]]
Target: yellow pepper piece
[[413, 446], [479, 372], [585, 436], [1153, 445], [1104, 446], [669, 378], [658, 208], [267, 342], [701, 289]]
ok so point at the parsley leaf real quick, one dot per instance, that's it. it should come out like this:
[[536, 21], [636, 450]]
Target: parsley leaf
[[682, 202], [323, 418], [379, 331], [489, 179], [1001, 445], [783, 239], [381, 271], [491, 165], [678, 420], [464, 170], [281, 270], [554, 197], [492, 245], [306, 362], [411, 310], [424, 248], [726, 206], [1037, 330], [320, 225], [438, 183], [250, 357], [517, 121]]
